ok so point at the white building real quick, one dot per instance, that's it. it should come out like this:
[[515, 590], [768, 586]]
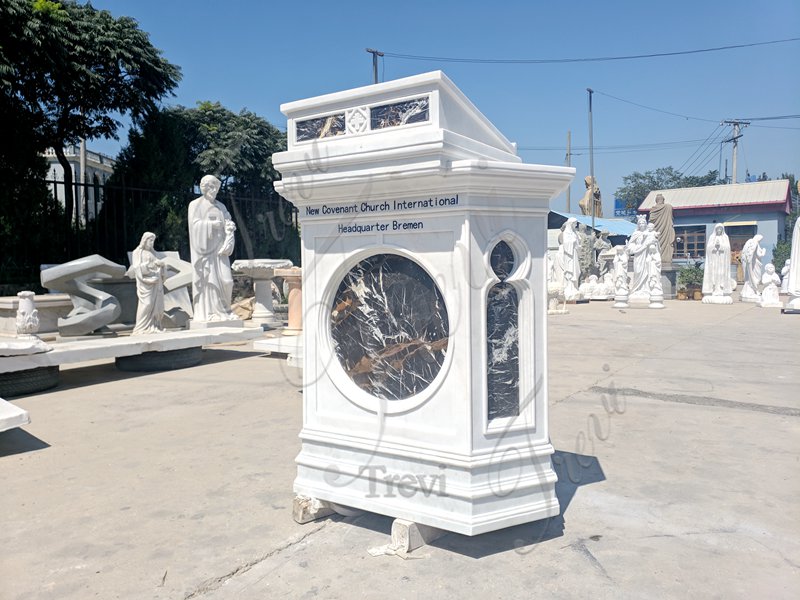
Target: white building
[[88, 175]]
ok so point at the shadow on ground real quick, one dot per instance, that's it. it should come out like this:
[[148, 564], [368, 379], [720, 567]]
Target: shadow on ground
[[18, 441], [107, 372]]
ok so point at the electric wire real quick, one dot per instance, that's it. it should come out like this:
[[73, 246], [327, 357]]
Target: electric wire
[[680, 169], [542, 61], [704, 154]]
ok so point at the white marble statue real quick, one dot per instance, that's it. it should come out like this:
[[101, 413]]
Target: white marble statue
[[211, 238], [653, 263], [637, 248], [588, 287], [621, 277], [785, 276], [604, 253], [718, 285], [793, 285], [150, 273], [752, 253], [770, 295], [571, 257]]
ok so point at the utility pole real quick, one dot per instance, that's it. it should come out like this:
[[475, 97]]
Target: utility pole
[[591, 154], [375, 55], [569, 162], [735, 139]]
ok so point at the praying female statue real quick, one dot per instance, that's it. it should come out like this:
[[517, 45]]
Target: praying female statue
[[718, 285], [787, 266], [149, 272], [770, 296], [752, 253]]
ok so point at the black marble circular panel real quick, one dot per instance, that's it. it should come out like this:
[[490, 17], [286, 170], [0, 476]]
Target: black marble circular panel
[[389, 326]]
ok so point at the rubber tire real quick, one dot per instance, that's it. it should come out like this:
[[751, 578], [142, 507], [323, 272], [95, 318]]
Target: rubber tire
[[169, 360], [29, 381]]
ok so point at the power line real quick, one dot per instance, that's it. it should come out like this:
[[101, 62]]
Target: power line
[[617, 146], [771, 118], [542, 61], [680, 169], [708, 151], [666, 112]]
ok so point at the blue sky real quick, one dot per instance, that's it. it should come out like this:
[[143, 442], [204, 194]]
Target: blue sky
[[257, 55]]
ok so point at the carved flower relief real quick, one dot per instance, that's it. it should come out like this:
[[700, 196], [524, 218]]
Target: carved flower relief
[[27, 322], [357, 119]]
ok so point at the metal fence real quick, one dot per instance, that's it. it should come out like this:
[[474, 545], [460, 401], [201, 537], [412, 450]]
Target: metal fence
[[110, 220]]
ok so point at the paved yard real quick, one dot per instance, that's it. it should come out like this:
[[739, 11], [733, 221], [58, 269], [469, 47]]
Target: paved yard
[[678, 438]]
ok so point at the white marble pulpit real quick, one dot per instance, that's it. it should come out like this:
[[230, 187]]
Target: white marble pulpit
[[424, 241]]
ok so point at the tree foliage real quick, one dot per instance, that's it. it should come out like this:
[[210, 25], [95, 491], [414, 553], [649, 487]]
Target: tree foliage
[[783, 249], [68, 69], [636, 186], [173, 148]]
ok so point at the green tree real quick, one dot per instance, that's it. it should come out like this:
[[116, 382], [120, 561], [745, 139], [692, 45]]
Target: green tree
[[783, 249], [171, 149], [69, 69], [636, 186]]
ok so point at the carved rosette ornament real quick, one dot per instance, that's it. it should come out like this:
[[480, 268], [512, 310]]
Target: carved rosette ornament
[[357, 119]]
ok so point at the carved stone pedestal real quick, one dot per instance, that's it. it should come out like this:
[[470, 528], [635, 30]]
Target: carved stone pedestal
[[262, 271], [293, 278]]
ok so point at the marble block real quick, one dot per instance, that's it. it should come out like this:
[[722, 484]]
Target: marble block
[[292, 346], [22, 345], [424, 307], [12, 416]]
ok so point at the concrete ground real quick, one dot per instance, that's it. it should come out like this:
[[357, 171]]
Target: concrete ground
[[678, 450]]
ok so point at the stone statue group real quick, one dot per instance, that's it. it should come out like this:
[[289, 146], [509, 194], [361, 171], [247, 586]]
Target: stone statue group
[[211, 241], [574, 273], [578, 270]]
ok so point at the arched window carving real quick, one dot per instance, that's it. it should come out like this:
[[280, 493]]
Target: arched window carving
[[502, 335]]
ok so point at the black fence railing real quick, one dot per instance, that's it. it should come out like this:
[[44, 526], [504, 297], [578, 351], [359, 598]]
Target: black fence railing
[[110, 220]]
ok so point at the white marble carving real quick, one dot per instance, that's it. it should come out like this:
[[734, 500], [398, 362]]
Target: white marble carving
[[293, 281], [588, 288], [785, 276], [718, 285], [571, 260], [606, 287], [149, 272], [621, 289], [93, 309], [793, 285], [211, 236], [262, 270], [27, 320], [752, 253], [390, 355], [637, 246], [770, 295], [556, 302], [654, 284]]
